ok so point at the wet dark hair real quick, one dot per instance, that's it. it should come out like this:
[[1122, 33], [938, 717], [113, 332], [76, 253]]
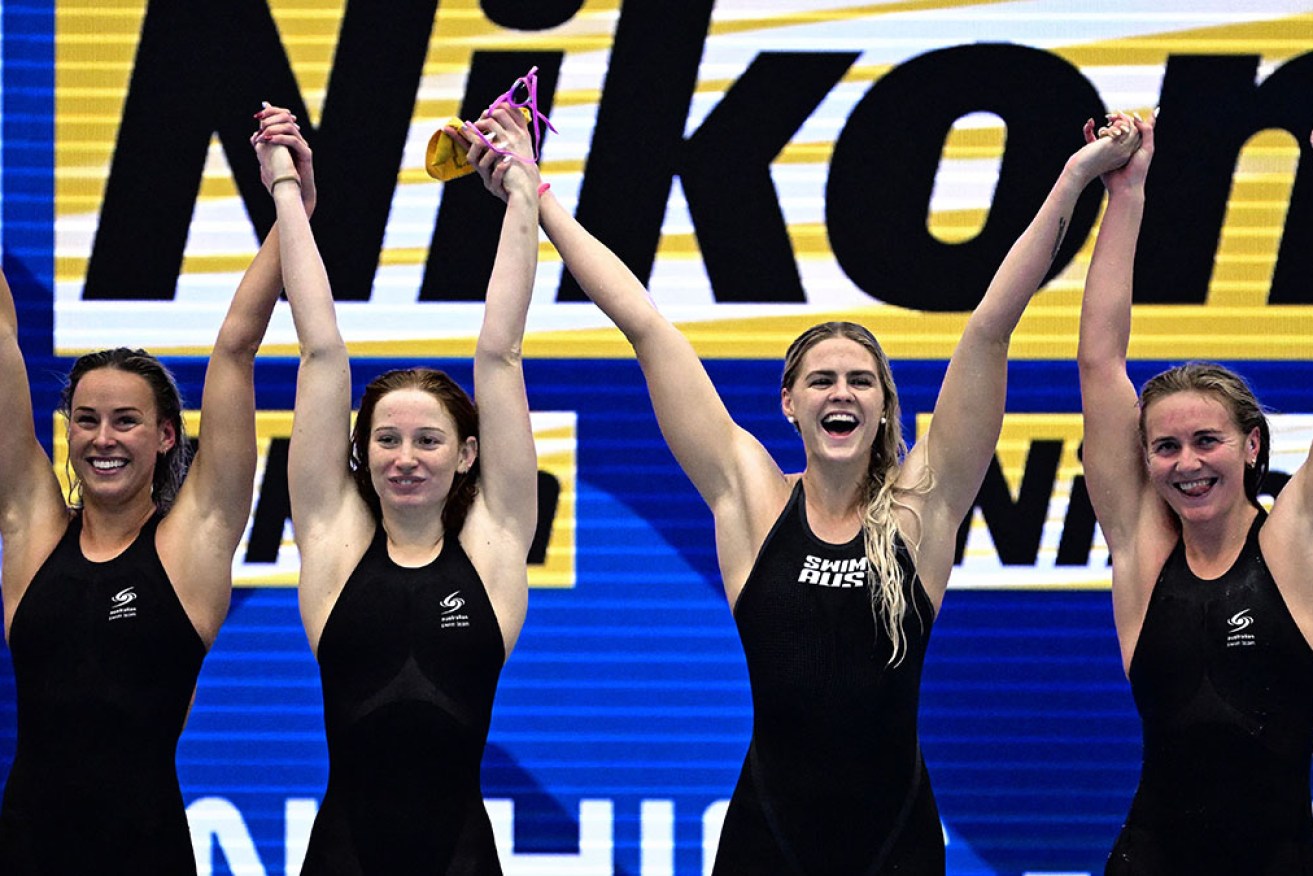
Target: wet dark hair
[[457, 403], [171, 465], [1229, 388]]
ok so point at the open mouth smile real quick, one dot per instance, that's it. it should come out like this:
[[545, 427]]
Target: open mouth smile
[[839, 423]]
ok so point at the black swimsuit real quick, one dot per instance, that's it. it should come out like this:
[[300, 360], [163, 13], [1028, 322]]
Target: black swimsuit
[[105, 662], [1223, 680], [834, 782], [409, 660]]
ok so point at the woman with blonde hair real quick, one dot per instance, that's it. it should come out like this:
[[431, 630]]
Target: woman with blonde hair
[[835, 574]]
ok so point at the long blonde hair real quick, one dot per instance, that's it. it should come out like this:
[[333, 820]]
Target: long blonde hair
[[879, 493]]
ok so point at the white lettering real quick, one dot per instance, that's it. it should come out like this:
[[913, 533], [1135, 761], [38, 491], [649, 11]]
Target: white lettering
[[218, 819], [713, 820], [657, 819], [299, 816]]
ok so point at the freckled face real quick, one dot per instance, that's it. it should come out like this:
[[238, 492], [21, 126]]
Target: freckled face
[[1197, 455], [836, 400], [414, 449], [114, 435]]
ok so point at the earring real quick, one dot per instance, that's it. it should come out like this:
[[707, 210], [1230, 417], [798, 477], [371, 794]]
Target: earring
[[792, 421], [882, 421]]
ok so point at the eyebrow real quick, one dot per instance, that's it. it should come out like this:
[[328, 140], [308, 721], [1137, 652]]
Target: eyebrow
[[123, 410], [385, 428], [830, 372], [1198, 433]]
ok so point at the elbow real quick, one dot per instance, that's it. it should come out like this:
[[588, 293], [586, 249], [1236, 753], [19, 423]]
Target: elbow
[[502, 353], [241, 350], [313, 352]]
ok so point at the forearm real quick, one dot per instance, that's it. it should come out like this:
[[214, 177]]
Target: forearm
[[1028, 261], [304, 277], [605, 279]]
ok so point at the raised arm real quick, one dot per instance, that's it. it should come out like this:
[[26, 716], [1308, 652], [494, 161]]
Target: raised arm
[[712, 450], [969, 411], [32, 511], [1135, 522], [1287, 541], [214, 503], [1112, 456], [318, 478], [508, 461]]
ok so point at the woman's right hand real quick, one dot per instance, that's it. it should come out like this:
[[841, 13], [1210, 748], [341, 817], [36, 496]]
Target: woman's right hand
[[504, 174], [282, 152], [1132, 172]]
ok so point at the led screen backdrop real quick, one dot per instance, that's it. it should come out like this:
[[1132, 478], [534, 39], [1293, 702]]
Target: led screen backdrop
[[763, 165]]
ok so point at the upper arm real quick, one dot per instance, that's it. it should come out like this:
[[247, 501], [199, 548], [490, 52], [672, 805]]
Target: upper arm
[[32, 509], [220, 481], [1287, 539], [27, 485], [1111, 453], [965, 426], [709, 446]]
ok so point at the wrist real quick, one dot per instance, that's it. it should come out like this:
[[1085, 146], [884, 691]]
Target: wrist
[[1124, 191], [1076, 173], [285, 177]]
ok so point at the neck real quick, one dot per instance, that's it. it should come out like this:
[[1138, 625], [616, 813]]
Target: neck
[[834, 491], [106, 528], [1214, 544], [414, 535]]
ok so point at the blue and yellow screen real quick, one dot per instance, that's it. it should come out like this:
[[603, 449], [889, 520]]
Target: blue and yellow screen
[[761, 165]]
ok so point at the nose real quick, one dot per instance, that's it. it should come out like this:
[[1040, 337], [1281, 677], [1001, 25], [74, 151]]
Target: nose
[[406, 456], [104, 436], [841, 389]]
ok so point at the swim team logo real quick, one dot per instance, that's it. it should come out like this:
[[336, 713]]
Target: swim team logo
[[451, 614], [1239, 622], [120, 604], [846, 573]]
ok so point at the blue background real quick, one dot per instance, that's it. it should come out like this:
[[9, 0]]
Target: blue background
[[631, 686]]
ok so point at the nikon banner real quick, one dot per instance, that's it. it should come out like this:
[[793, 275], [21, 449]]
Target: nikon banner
[[762, 165]]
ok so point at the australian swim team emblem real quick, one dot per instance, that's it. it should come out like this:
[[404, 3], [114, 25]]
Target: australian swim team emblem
[[850, 572], [1238, 623], [120, 604], [452, 616]]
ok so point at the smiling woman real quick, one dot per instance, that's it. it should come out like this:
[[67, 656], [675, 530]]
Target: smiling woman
[[111, 604], [831, 655], [414, 529], [1228, 716]]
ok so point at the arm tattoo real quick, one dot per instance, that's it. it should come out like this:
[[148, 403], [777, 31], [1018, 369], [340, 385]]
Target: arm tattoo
[[1062, 232]]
